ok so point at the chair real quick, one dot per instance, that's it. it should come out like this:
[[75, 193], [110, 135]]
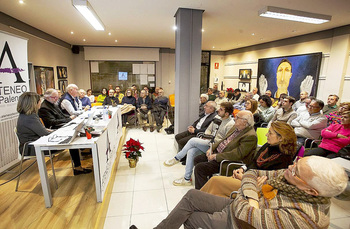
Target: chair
[[172, 100], [30, 157], [261, 133], [314, 143], [96, 104]]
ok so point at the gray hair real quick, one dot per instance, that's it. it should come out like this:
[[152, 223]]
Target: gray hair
[[330, 179], [205, 96], [247, 115], [212, 104], [82, 90], [49, 92], [71, 86]]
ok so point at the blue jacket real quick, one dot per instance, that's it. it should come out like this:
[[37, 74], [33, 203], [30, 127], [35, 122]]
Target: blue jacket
[[148, 102]]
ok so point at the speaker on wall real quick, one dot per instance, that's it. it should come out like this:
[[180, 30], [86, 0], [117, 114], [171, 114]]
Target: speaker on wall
[[75, 49]]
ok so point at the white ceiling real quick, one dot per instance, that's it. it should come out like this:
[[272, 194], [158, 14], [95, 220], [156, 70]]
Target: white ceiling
[[227, 24]]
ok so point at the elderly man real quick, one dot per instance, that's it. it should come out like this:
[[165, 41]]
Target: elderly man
[[220, 99], [215, 90], [255, 94], [203, 100], [211, 96], [297, 197], [331, 104], [286, 112], [301, 101], [50, 113], [241, 105], [143, 107], [85, 101], [310, 124], [110, 99], [70, 103], [159, 108], [198, 126], [196, 146], [239, 144]]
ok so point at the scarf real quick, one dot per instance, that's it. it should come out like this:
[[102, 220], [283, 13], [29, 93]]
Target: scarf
[[280, 184]]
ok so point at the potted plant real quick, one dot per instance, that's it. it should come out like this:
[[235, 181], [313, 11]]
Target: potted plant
[[109, 114], [132, 151], [88, 130]]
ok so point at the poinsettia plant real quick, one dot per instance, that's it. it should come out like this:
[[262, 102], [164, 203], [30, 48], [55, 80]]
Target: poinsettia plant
[[132, 149], [230, 89], [89, 129]]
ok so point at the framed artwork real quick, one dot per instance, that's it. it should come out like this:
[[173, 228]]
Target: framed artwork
[[44, 79], [245, 74], [62, 72], [244, 86], [62, 84], [289, 74]]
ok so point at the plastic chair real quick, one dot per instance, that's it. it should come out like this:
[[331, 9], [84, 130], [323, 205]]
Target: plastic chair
[[261, 133], [172, 100]]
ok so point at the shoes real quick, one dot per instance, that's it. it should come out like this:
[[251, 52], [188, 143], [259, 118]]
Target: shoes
[[84, 171], [182, 182], [132, 227], [159, 128], [170, 162], [151, 128], [144, 128]]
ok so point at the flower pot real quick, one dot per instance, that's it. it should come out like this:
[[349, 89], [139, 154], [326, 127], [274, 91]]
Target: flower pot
[[88, 135], [132, 162], [109, 116]]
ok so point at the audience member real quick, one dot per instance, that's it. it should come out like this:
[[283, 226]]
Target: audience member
[[238, 145], [29, 128], [159, 109], [85, 101], [211, 96], [297, 197], [144, 107], [237, 96], [110, 100], [101, 97], [307, 102], [301, 101], [286, 113], [255, 94], [309, 125], [196, 146], [277, 153], [278, 102], [118, 95], [147, 92], [110, 87], [69, 102], [241, 105], [155, 93], [203, 101], [90, 95], [128, 99], [269, 94], [331, 104], [252, 106], [216, 92], [220, 99], [198, 126], [265, 109], [334, 137], [50, 113], [59, 93], [335, 116]]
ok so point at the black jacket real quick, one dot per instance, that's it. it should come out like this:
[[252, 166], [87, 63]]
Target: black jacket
[[205, 124], [108, 101], [52, 115], [148, 102]]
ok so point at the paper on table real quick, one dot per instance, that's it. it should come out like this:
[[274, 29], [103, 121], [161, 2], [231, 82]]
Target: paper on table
[[143, 79]]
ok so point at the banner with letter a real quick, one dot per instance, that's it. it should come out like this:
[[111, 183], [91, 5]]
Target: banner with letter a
[[14, 77]]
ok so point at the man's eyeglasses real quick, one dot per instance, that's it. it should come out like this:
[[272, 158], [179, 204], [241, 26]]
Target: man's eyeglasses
[[311, 106], [237, 117], [295, 175]]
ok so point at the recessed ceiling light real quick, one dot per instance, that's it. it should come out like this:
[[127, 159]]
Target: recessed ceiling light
[[253, 34], [261, 39], [109, 33], [174, 27], [84, 40], [21, 2], [71, 32], [213, 47], [293, 31], [115, 40], [202, 30]]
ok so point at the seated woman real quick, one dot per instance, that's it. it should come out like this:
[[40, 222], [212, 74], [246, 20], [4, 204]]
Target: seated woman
[[102, 96], [265, 109], [128, 99], [335, 117], [90, 95], [334, 137], [30, 128], [277, 153], [252, 105], [85, 101]]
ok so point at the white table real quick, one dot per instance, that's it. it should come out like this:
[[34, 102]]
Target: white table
[[103, 149]]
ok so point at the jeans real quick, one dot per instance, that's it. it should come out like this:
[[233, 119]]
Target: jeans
[[193, 148]]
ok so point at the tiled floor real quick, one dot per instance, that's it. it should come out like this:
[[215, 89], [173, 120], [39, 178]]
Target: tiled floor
[[143, 196]]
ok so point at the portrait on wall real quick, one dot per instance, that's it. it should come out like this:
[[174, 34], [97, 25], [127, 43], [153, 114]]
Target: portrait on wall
[[245, 74], [44, 79], [62, 84], [62, 72], [289, 74], [243, 86]]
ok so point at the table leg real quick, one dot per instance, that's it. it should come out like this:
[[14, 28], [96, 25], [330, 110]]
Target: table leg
[[43, 176]]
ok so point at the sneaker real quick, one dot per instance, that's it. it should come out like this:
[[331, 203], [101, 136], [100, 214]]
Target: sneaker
[[144, 128], [152, 129], [182, 182], [170, 162]]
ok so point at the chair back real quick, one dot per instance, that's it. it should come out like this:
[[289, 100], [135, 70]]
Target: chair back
[[96, 104], [261, 133], [172, 100]]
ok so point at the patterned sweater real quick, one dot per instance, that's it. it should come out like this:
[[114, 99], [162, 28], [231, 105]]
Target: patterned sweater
[[280, 212]]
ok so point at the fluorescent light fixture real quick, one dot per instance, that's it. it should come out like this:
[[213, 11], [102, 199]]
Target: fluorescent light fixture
[[293, 15], [84, 7]]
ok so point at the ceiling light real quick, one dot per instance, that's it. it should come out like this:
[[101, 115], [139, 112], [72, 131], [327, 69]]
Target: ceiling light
[[21, 1], [294, 15], [71, 32], [109, 34], [213, 47], [84, 40], [84, 7], [253, 34]]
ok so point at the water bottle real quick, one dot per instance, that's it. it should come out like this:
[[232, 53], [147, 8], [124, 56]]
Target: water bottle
[[105, 114]]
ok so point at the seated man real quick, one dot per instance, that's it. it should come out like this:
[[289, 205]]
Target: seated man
[[203, 101], [85, 101], [69, 102], [143, 107], [110, 100], [198, 126], [297, 197], [159, 108], [220, 99], [310, 124], [237, 96], [286, 112], [50, 113], [331, 104], [211, 96], [256, 96], [196, 146], [304, 107], [239, 144], [118, 94], [301, 101]]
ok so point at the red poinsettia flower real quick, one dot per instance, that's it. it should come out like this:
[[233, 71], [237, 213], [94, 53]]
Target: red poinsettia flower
[[132, 148]]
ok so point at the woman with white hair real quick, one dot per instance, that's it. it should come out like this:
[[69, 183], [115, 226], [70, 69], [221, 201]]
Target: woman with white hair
[[85, 101]]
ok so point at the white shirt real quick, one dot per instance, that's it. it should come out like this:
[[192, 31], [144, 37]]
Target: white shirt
[[199, 124], [66, 105]]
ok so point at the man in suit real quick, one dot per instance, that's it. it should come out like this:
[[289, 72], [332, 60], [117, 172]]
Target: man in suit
[[50, 113], [200, 125], [238, 145]]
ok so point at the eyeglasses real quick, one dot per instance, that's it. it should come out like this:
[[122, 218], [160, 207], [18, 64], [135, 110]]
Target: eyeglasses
[[311, 106], [295, 175], [237, 117]]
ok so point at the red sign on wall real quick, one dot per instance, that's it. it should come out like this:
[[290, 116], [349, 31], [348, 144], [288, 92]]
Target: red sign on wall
[[216, 65]]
